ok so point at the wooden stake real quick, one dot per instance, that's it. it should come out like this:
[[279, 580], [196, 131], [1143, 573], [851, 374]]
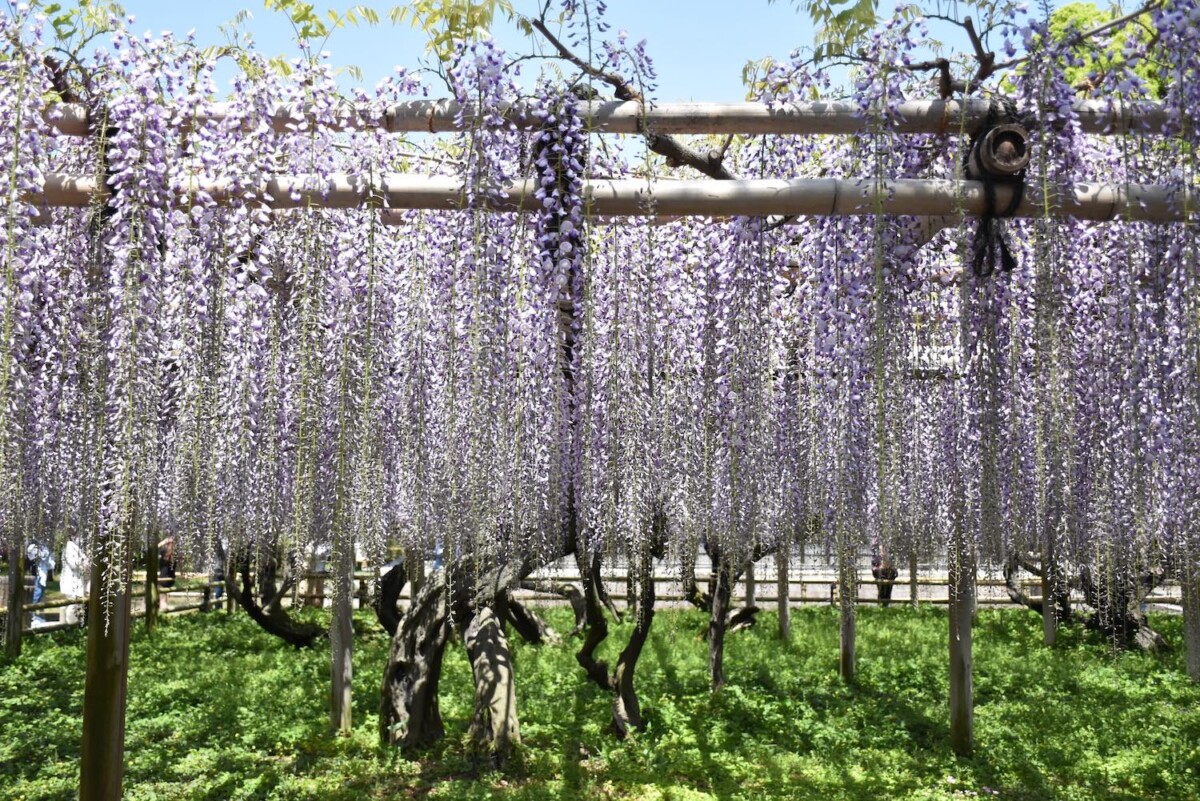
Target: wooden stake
[[912, 577]]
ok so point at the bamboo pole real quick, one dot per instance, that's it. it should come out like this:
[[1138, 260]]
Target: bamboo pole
[[616, 117], [623, 197]]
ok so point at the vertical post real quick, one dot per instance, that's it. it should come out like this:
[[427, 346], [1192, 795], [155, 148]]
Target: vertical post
[[913, 587], [783, 590], [150, 592], [105, 689], [341, 637], [847, 582], [1049, 582], [751, 586], [16, 599], [1190, 586], [962, 608]]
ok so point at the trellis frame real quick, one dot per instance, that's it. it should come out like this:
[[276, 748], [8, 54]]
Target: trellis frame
[[944, 199]]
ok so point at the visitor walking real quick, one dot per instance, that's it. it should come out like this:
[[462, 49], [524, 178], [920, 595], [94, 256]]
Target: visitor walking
[[166, 570], [41, 560]]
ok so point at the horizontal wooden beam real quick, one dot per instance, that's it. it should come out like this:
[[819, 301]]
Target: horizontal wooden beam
[[817, 117], [634, 197]]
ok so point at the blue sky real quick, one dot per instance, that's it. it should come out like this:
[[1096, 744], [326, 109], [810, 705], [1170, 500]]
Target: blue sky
[[699, 46]]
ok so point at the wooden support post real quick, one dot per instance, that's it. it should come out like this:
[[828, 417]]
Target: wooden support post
[[150, 593], [962, 608], [102, 759], [847, 581], [913, 587], [1049, 582], [783, 591], [751, 587], [1191, 618], [15, 618], [341, 638]]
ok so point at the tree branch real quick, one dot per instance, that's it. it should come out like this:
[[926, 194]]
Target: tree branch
[[676, 152]]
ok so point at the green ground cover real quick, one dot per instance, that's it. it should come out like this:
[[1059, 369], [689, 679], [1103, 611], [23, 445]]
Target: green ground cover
[[220, 710]]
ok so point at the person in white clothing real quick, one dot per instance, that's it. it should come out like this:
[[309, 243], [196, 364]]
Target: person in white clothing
[[75, 579]]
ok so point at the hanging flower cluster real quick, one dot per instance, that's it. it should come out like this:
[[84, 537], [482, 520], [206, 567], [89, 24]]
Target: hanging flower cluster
[[178, 360]]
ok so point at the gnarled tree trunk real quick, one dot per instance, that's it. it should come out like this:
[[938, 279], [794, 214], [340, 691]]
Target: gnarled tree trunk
[[272, 617], [409, 716], [387, 602], [597, 625], [494, 726], [627, 711], [567, 591], [722, 590], [528, 623]]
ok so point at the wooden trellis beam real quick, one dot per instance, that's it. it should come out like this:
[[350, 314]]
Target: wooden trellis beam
[[818, 117], [625, 197]]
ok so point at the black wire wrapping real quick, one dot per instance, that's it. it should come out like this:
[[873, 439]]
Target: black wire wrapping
[[991, 237]]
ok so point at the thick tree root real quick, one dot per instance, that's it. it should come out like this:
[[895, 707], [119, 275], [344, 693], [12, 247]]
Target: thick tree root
[[272, 616]]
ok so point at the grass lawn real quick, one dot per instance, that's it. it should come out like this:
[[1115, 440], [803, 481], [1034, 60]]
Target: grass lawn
[[220, 710]]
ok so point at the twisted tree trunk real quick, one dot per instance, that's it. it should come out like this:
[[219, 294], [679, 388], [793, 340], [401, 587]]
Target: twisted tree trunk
[[597, 625], [387, 607], [718, 620], [494, 726], [568, 591], [528, 623], [409, 716], [627, 711], [1115, 605], [272, 616]]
